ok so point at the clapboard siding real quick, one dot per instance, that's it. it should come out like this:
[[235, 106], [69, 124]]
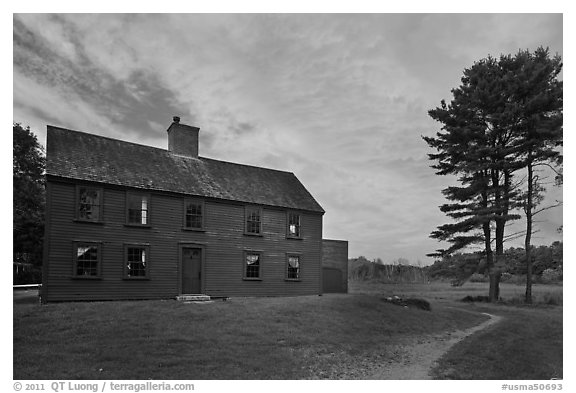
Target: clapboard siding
[[223, 241]]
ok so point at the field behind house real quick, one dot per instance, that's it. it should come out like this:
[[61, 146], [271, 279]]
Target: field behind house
[[442, 291], [311, 337]]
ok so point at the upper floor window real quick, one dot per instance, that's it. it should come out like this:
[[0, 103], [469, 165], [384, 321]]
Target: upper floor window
[[89, 203], [87, 257], [138, 209], [193, 214], [136, 261], [293, 224], [253, 220]]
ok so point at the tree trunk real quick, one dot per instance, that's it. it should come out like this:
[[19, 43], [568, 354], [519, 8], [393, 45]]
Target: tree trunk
[[494, 291], [501, 204], [528, 238]]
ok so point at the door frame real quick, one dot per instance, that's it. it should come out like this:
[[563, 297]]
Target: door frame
[[202, 247]]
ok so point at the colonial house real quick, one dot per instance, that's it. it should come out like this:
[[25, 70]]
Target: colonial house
[[128, 221]]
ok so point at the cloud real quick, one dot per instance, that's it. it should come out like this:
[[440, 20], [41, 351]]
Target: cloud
[[340, 100]]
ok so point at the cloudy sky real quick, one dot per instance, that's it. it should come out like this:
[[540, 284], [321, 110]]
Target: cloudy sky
[[341, 100]]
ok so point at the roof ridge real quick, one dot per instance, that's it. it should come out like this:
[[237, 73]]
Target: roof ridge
[[168, 151], [246, 165], [109, 138]]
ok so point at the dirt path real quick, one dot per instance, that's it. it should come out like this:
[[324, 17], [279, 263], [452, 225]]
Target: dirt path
[[420, 357]]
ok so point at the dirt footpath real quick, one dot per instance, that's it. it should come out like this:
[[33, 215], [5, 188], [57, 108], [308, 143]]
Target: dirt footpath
[[420, 356]]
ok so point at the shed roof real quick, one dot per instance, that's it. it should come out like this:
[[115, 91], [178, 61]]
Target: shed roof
[[82, 156]]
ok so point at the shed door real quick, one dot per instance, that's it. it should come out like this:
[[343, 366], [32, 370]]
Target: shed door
[[191, 270]]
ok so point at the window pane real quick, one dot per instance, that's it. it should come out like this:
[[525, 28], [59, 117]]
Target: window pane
[[137, 209], [294, 224], [136, 263], [87, 260], [193, 215], [253, 221], [89, 204], [252, 265], [293, 267]]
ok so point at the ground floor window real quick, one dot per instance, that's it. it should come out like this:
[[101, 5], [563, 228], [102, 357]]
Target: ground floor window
[[252, 265], [293, 267], [137, 261], [87, 257]]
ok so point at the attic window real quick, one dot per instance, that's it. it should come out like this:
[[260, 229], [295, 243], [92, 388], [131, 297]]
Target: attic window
[[89, 204], [253, 221], [138, 209]]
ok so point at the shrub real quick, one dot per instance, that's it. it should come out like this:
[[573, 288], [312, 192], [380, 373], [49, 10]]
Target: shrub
[[552, 298], [552, 275], [477, 277], [478, 298], [28, 276]]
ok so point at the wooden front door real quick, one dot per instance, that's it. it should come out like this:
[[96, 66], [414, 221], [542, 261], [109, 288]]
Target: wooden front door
[[191, 270]]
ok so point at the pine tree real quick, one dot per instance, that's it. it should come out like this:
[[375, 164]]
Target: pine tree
[[476, 145], [506, 116], [536, 96]]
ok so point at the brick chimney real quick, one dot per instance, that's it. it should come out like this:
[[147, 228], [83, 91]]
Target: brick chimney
[[183, 139]]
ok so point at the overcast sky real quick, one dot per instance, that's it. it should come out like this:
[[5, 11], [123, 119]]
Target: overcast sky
[[341, 100]]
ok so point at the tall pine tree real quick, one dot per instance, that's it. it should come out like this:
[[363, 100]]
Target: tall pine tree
[[476, 144], [536, 99], [505, 116]]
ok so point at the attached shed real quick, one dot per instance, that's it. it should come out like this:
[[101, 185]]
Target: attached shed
[[334, 266]]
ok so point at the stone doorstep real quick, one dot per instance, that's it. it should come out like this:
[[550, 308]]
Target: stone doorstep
[[193, 298]]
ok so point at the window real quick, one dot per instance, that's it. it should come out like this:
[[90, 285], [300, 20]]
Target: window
[[138, 209], [293, 267], [252, 265], [253, 220], [137, 260], [89, 203], [87, 260], [193, 214], [293, 225]]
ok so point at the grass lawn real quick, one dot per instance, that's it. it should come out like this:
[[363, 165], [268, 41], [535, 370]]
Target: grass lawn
[[310, 337], [526, 344], [333, 336]]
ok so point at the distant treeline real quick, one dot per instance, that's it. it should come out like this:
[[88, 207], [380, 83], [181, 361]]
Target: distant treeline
[[362, 269], [546, 261]]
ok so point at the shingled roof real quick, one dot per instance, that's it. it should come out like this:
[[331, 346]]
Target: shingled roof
[[82, 156]]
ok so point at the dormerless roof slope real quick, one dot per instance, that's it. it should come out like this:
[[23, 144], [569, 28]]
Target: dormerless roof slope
[[78, 155]]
